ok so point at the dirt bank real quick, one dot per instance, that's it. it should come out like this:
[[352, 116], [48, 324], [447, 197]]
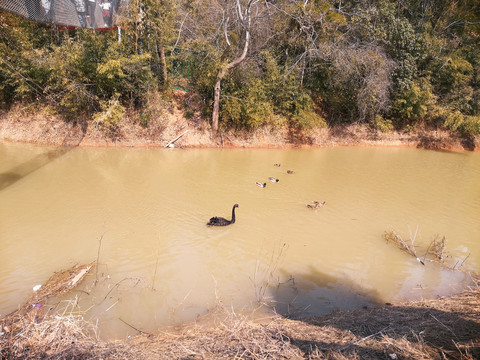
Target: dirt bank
[[446, 328], [168, 121]]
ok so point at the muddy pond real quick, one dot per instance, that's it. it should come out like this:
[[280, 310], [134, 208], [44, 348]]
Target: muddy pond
[[141, 214]]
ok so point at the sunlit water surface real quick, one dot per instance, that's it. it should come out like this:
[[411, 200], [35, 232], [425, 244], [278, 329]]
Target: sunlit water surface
[[142, 215]]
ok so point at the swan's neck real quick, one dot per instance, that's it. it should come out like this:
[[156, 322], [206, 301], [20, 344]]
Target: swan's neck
[[233, 215]]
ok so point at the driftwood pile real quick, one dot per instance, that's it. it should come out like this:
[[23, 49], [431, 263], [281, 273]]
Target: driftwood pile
[[434, 253]]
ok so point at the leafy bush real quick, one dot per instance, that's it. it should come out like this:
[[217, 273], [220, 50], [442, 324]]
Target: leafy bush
[[110, 116], [381, 124], [413, 103], [308, 119], [465, 125]]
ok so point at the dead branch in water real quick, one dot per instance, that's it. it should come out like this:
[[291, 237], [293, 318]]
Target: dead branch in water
[[392, 236], [178, 137]]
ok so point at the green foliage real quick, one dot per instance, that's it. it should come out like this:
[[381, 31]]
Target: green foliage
[[413, 103], [308, 119], [381, 124], [130, 76], [453, 73], [248, 107], [110, 116], [264, 96], [465, 125], [386, 63]]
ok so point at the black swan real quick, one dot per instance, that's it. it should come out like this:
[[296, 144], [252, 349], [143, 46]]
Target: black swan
[[220, 221]]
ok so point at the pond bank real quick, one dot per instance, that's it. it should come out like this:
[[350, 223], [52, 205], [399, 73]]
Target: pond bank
[[20, 125], [428, 329]]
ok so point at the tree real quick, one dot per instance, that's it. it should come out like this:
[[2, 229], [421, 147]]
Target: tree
[[245, 19]]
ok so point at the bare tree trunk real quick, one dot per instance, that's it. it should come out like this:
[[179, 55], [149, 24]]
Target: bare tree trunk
[[216, 98], [163, 63], [246, 20]]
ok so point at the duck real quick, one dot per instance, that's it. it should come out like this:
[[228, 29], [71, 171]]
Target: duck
[[220, 221], [290, 172], [260, 184], [277, 165], [316, 204], [272, 179]]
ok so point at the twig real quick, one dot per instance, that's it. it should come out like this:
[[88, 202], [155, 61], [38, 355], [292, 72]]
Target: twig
[[111, 306], [134, 328], [363, 339], [117, 285], [454, 266], [426, 252], [98, 257], [155, 274], [445, 326]]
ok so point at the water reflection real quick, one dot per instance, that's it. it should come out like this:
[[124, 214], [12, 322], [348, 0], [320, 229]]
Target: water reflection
[[19, 171]]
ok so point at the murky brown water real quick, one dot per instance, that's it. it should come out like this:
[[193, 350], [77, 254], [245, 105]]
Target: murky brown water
[[160, 264]]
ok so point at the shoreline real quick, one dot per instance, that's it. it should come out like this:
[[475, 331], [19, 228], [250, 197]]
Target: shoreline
[[428, 328], [40, 128], [447, 327]]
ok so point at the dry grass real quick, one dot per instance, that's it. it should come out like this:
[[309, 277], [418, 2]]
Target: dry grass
[[447, 328]]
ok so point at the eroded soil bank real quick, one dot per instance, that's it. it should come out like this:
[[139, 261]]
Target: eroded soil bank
[[169, 122], [445, 328]]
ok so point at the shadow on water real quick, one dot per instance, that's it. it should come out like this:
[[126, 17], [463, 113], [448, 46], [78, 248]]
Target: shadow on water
[[17, 173], [451, 328], [316, 293], [20, 171]]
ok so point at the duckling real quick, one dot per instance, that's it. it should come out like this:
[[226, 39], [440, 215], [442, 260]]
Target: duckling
[[316, 204], [290, 172], [272, 179], [260, 184]]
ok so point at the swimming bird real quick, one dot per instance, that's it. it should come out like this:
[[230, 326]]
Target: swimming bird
[[220, 221], [316, 204], [272, 179], [260, 184], [277, 165], [290, 172]]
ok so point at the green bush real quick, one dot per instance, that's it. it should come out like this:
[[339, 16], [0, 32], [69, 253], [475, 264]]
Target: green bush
[[465, 125], [413, 104], [381, 124], [110, 116], [308, 119]]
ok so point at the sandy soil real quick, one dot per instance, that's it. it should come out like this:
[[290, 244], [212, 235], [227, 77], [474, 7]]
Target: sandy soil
[[168, 121]]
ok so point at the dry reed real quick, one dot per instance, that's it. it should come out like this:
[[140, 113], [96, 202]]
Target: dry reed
[[429, 329]]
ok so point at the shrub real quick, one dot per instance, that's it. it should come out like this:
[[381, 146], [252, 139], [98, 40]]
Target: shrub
[[413, 103], [465, 125], [308, 119], [111, 115], [381, 124]]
